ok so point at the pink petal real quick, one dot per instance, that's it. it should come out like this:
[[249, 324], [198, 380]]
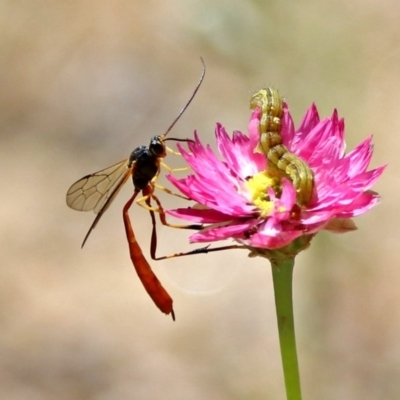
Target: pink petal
[[222, 232], [204, 216]]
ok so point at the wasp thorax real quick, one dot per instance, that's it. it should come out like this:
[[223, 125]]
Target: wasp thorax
[[157, 147]]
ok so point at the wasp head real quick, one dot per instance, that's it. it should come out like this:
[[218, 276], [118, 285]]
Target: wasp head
[[157, 146]]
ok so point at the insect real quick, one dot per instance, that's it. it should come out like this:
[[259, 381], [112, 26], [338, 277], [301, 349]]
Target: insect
[[98, 190], [280, 158]]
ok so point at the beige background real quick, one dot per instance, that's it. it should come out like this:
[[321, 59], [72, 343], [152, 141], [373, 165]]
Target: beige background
[[85, 82]]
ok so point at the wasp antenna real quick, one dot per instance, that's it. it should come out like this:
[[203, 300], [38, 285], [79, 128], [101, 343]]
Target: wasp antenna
[[179, 140], [191, 98]]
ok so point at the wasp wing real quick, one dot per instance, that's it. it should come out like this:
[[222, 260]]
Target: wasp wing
[[92, 191], [97, 191]]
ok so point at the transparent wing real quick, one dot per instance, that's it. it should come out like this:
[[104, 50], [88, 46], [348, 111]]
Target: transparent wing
[[92, 191], [97, 191]]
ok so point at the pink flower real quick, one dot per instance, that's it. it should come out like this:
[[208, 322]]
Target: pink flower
[[237, 198]]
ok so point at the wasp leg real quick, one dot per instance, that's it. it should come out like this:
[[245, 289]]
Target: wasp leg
[[172, 151], [153, 245], [170, 169], [149, 280], [199, 250], [166, 190], [163, 217], [148, 194], [145, 202]]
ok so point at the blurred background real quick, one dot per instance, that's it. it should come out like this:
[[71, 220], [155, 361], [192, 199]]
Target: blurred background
[[85, 82]]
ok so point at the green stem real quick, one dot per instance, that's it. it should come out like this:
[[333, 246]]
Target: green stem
[[282, 272]]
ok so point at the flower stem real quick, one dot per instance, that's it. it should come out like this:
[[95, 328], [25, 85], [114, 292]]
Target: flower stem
[[282, 272]]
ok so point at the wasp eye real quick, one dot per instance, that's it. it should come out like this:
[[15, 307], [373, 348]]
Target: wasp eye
[[157, 147]]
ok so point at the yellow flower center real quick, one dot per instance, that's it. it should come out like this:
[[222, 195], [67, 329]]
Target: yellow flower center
[[257, 187]]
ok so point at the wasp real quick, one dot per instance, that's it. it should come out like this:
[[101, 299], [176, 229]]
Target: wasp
[[280, 159], [96, 192]]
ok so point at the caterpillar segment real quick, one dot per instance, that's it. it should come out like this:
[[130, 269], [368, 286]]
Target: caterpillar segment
[[281, 161]]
